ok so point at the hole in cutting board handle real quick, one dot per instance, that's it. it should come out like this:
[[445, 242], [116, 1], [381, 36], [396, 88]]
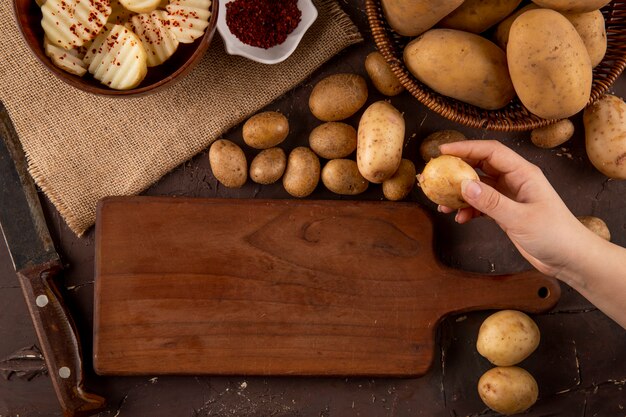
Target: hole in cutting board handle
[[543, 292]]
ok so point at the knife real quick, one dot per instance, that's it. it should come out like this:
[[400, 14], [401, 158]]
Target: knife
[[37, 263]]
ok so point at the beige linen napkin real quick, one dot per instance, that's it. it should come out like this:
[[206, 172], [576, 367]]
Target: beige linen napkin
[[82, 147]]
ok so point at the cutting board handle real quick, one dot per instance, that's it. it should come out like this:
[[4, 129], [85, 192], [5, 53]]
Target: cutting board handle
[[529, 291]]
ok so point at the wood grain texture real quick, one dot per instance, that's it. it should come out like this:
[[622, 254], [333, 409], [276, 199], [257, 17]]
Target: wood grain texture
[[278, 287]]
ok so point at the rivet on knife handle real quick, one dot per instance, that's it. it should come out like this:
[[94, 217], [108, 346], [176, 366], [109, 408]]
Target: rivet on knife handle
[[37, 263]]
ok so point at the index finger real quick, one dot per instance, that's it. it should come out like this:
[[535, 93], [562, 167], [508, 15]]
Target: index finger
[[490, 152]]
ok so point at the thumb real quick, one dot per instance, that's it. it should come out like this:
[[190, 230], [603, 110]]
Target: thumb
[[490, 202]]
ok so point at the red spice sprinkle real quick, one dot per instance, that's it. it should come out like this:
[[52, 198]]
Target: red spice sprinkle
[[262, 23]]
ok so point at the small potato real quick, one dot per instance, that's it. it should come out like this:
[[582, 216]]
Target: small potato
[[338, 97], [265, 130], [501, 36], [379, 141], [400, 185], [508, 390], [228, 163], [342, 176], [268, 166], [429, 148], [605, 135], [553, 135], [572, 6], [333, 140], [413, 17], [381, 75], [441, 180], [591, 28], [507, 337], [461, 65], [477, 16], [549, 64], [596, 225], [302, 173]]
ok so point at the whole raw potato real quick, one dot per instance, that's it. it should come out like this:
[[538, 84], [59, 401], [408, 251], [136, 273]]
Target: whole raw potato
[[508, 390], [413, 17], [381, 75], [441, 180], [333, 140], [461, 65], [265, 130], [268, 166], [591, 28], [380, 137], [401, 183], [477, 16], [501, 36], [507, 337], [429, 147], [228, 163], [549, 64], [596, 225], [605, 135], [552, 135], [572, 6], [342, 176], [302, 173], [338, 97]]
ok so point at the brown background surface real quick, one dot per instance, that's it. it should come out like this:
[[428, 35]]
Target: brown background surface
[[580, 365]]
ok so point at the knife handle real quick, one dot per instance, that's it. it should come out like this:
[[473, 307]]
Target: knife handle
[[57, 337]]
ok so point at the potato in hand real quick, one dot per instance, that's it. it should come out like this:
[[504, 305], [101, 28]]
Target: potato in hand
[[441, 180]]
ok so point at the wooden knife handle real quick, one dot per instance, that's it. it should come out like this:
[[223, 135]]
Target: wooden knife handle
[[57, 337]]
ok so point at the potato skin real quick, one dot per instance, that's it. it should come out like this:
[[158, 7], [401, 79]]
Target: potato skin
[[342, 176], [596, 225], [303, 172], [381, 75], [429, 148], [414, 17], [605, 135], [591, 28], [572, 6], [441, 180], [228, 163], [333, 140], [553, 135], [265, 130], [401, 183], [507, 337], [501, 36], [380, 137], [338, 97], [477, 16], [461, 65], [549, 64], [268, 166], [508, 390]]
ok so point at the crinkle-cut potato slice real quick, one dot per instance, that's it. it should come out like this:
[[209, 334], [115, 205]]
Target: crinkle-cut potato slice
[[121, 60], [78, 52], [67, 60], [157, 38], [119, 13], [71, 23], [95, 47], [140, 6], [189, 18]]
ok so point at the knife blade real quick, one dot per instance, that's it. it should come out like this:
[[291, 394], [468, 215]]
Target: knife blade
[[37, 263]]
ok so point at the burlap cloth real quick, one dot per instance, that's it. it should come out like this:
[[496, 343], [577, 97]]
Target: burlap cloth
[[82, 147]]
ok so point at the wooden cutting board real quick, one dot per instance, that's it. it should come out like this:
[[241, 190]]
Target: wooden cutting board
[[216, 286]]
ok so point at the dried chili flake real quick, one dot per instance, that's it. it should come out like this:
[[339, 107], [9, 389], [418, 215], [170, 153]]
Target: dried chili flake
[[262, 23]]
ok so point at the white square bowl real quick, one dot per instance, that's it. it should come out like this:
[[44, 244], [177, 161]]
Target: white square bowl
[[272, 55]]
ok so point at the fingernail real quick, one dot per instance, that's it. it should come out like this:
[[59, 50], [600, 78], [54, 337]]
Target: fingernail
[[471, 189], [456, 217], [439, 209]]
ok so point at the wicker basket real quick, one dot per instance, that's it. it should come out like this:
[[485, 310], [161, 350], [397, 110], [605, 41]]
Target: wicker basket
[[513, 117]]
